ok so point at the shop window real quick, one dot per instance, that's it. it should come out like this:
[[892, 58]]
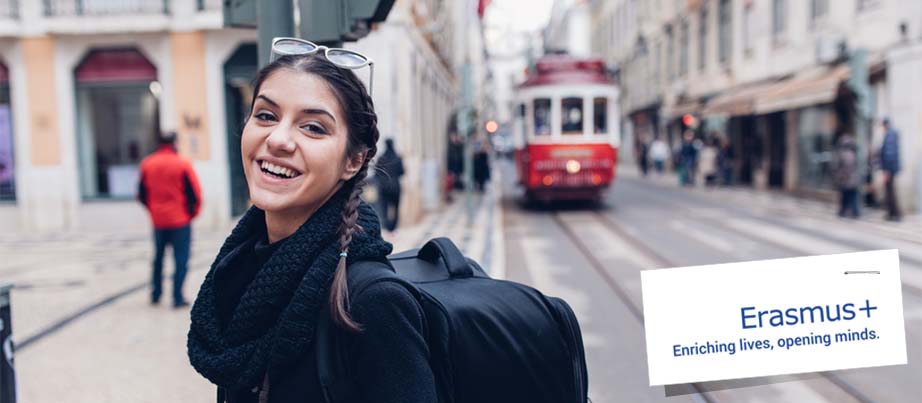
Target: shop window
[[600, 115], [572, 116], [117, 120], [542, 117], [816, 147]]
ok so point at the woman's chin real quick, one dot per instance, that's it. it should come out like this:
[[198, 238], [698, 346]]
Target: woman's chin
[[269, 202]]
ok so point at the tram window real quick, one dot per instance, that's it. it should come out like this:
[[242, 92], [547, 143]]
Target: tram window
[[520, 111], [572, 109], [600, 115], [542, 117]]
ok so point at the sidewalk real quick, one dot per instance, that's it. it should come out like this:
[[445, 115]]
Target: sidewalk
[[476, 229], [84, 329], [784, 204]]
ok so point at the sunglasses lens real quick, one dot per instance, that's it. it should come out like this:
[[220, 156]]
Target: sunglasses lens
[[291, 47], [346, 58]]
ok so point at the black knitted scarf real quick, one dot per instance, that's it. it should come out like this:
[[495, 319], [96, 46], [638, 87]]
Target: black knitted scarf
[[274, 323]]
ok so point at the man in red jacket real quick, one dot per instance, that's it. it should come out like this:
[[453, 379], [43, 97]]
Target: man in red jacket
[[170, 191]]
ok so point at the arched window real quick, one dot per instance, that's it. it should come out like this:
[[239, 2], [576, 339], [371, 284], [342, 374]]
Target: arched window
[[117, 120]]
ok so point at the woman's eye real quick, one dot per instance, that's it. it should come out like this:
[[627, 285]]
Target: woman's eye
[[314, 128], [265, 116]]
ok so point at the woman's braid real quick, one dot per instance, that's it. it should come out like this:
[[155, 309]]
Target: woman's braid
[[339, 296]]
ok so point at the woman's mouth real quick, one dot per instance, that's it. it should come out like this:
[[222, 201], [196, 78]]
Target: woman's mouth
[[277, 171]]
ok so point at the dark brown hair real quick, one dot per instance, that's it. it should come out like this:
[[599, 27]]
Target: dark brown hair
[[362, 124]]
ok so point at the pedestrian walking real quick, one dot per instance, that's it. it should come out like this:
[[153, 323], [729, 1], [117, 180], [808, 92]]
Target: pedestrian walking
[[456, 161], [689, 159], [169, 189], [306, 148], [642, 153], [481, 163], [707, 165], [389, 171], [846, 176], [890, 164], [725, 161], [659, 153]]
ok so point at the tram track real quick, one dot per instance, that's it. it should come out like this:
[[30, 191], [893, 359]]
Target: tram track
[[620, 292], [785, 247], [648, 252]]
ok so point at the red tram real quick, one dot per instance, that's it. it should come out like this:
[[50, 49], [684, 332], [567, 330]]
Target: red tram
[[566, 129]]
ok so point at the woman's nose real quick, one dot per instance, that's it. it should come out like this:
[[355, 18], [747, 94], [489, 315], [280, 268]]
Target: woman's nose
[[280, 140]]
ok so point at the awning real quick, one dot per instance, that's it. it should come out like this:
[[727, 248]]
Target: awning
[[815, 86], [682, 108], [737, 101]]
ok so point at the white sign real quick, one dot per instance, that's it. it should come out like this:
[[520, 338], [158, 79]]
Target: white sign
[[123, 180], [773, 317]]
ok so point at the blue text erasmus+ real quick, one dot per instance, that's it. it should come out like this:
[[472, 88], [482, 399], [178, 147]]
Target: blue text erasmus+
[[753, 318]]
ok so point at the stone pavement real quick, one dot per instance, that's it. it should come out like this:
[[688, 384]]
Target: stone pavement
[[85, 331]]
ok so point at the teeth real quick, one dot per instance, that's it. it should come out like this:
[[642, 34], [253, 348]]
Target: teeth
[[286, 172]]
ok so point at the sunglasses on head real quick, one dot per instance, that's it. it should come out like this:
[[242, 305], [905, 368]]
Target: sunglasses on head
[[345, 58]]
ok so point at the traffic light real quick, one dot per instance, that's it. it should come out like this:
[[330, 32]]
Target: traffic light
[[491, 126], [331, 22]]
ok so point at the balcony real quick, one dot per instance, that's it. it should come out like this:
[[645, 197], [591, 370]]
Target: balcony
[[68, 8]]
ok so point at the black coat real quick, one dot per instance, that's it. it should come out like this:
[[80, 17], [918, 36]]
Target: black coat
[[390, 169], [255, 319], [390, 357]]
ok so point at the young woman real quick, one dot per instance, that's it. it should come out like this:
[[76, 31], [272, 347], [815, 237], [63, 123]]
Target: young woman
[[306, 147]]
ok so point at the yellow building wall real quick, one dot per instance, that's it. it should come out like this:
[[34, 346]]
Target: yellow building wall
[[188, 56], [44, 127]]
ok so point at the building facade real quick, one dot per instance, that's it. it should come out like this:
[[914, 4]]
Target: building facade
[[85, 86], [778, 79], [416, 92]]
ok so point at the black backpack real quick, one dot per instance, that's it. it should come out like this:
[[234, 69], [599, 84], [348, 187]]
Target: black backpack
[[489, 340]]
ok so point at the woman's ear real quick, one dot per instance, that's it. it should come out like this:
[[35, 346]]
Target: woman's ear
[[353, 165]]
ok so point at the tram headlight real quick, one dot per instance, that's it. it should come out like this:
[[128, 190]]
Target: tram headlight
[[573, 166], [548, 180]]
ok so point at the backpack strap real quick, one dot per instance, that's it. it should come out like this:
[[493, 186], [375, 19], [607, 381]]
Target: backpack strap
[[335, 383], [444, 248]]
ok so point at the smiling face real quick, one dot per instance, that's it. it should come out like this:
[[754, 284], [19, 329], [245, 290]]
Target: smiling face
[[294, 145]]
